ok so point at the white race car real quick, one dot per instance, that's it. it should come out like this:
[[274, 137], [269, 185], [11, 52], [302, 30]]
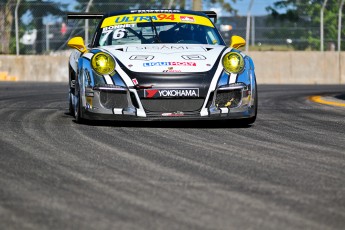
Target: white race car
[[160, 65]]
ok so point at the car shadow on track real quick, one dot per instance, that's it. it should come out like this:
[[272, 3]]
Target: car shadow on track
[[169, 124], [340, 97], [219, 124]]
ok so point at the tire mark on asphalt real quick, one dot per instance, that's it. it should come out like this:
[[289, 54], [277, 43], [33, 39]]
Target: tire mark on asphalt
[[185, 178]]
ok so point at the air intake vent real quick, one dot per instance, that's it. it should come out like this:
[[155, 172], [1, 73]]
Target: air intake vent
[[229, 99], [113, 99], [172, 105]]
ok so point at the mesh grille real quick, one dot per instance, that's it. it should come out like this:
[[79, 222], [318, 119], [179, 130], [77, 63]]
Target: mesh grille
[[172, 105], [110, 100], [230, 99]]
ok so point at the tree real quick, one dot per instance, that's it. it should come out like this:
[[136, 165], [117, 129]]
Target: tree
[[6, 22], [110, 5], [226, 5], [39, 9], [306, 14]]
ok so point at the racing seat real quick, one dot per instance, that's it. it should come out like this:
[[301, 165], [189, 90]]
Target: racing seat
[[166, 37], [200, 37]]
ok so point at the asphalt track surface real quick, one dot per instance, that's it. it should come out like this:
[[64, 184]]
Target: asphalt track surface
[[287, 171]]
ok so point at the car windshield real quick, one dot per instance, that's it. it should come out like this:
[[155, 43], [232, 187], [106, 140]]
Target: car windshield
[[157, 28]]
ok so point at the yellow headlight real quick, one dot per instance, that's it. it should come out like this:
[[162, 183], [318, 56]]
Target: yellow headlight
[[233, 62], [103, 63]]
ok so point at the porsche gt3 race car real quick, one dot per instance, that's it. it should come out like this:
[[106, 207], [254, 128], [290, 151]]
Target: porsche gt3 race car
[[160, 65]]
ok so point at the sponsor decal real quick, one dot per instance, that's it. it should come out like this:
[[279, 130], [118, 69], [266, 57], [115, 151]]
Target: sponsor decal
[[117, 34], [168, 63], [105, 29], [166, 93], [171, 69], [135, 81], [187, 19], [175, 114], [142, 16], [194, 57], [141, 57], [155, 11], [150, 93], [164, 47]]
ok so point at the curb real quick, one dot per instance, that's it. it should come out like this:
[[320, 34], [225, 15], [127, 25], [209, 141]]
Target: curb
[[329, 100]]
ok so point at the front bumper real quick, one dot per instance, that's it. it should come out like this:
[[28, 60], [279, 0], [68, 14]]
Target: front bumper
[[124, 104]]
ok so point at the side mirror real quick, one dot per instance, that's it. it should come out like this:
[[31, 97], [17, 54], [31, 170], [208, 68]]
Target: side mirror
[[77, 43], [237, 42]]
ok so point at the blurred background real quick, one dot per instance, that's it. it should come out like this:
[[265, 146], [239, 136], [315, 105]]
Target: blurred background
[[41, 27]]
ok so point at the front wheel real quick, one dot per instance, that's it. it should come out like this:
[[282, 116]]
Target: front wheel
[[78, 112], [70, 106]]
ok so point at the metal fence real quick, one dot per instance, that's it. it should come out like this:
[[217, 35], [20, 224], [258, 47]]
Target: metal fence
[[40, 27]]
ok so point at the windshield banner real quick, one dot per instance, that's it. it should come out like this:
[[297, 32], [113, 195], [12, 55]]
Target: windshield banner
[[156, 17]]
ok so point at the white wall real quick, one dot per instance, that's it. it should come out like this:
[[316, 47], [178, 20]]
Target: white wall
[[271, 67]]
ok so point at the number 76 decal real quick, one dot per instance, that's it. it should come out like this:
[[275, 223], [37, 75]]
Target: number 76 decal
[[119, 33]]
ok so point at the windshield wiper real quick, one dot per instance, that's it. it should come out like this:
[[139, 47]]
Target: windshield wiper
[[154, 28]]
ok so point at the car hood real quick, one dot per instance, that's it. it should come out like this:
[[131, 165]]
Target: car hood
[[158, 58]]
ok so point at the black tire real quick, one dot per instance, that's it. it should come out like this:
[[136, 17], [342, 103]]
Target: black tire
[[71, 89], [78, 112], [70, 106]]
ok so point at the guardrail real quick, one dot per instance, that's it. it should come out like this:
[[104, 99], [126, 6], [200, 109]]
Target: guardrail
[[272, 67]]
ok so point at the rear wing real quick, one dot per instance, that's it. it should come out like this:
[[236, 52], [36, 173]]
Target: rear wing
[[211, 14], [73, 15]]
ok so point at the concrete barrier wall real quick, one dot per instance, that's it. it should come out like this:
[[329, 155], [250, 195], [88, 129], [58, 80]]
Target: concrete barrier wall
[[35, 68], [299, 67], [271, 67]]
